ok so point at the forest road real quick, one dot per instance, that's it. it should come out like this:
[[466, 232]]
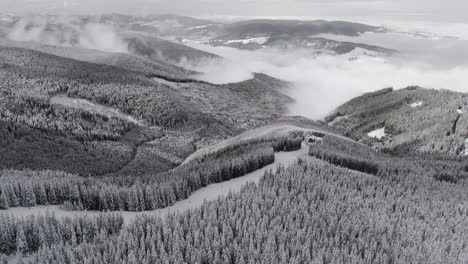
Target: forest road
[[196, 199]]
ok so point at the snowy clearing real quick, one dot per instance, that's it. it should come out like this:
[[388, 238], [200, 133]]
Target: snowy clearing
[[416, 104], [174, 85], [460, 111], [92, 107], [196, 199], [378, 133]]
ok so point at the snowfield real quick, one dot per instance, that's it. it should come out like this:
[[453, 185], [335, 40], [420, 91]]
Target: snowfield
[[378, 133], [196, 199]]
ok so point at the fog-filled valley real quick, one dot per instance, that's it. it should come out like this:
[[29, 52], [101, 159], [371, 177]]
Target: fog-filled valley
[[164, 138], [324, 81]]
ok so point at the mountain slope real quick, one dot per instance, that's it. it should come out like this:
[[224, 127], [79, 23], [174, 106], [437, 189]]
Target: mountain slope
[[122, 60], [414, 119], [43, 124]]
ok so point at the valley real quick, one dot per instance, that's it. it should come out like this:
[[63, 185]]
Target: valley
[[117, 145]]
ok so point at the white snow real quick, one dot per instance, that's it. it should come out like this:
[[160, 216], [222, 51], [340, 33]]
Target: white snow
[[174, 85], [466, 147], [199, 27], [196, 199], [378, 133], [92, 107], [311, 44], [360, 53], [460, 111], [416, 104], [258, 40]]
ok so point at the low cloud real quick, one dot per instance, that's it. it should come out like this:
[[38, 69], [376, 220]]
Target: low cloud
[[71, 33], [324, 82]]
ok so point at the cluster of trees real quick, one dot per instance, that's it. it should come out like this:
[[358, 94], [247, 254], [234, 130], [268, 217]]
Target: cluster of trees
[[38, 113], [311, 212], [149, 192], [38, 149], [27, 235], [360, 157], [346, 154]]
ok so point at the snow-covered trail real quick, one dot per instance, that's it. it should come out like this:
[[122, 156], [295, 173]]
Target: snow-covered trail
[[196, 199], [86, 105]]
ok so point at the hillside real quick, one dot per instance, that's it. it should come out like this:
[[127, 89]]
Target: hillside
[[126, 61], [34, 120], [414, 119]]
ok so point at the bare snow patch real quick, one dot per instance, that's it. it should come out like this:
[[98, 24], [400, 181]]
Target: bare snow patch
[[258, 40], [416, 104], [378, 133], [460, 111], [86, 105], [199, 27]]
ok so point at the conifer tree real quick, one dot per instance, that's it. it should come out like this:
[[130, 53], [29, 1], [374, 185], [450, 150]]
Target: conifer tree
[[3, 201]]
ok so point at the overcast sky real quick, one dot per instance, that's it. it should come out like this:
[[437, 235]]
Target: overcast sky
[[429, 10]]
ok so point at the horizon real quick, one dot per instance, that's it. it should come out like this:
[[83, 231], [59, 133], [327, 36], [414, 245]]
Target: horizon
[[362, 10]]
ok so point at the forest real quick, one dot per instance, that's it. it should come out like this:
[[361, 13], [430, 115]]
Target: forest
[[41, 135], [360, 157], [132, 193], [311, 212], [107, 135]]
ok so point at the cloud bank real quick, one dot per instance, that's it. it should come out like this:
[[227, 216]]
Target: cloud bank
[[324, 82]]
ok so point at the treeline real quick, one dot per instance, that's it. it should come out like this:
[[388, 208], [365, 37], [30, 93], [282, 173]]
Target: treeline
[[30, 188], [360, 157], [311, 212], [176, 79], [345, 154], [27, 235], [292, 141]]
